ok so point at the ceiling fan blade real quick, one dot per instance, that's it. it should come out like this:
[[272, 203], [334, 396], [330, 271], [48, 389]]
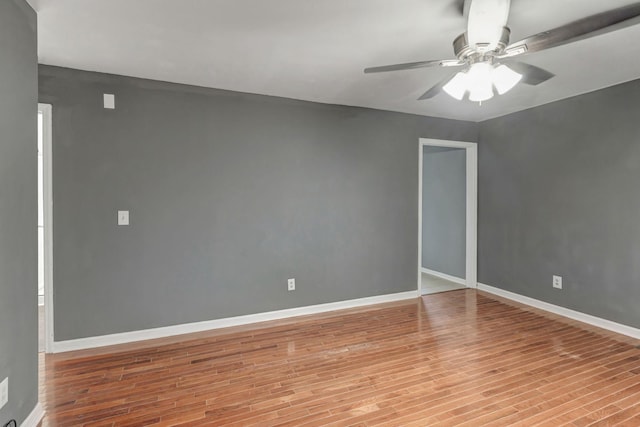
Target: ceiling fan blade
[[436, 89], [576, 30], [413, 65], [486, 19], [531, 75]]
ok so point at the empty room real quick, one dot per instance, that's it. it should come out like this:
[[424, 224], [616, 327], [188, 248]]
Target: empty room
[[319, 213]]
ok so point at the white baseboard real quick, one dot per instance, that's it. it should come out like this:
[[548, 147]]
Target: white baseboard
[[34, 418], [562, 311], [444, 276], [167, 331]]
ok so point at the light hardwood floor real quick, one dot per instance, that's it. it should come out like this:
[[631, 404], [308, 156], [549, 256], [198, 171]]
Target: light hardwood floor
[[455, 358]]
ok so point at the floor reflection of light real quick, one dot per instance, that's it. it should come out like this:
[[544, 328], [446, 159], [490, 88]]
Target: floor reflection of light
[[439, 311]]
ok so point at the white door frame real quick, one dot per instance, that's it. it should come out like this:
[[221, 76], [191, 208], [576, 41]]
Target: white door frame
[[47, 189], [471, 148]]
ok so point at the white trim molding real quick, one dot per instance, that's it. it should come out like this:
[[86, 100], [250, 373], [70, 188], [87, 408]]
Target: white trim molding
[[471, 148], [167, 331], [47, 178], [562, 311], [454, 279], [34, 418]]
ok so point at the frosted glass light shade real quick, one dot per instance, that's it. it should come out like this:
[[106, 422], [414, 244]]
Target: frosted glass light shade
[[504, 79], [457, 86], [480, 82], [481, 93]]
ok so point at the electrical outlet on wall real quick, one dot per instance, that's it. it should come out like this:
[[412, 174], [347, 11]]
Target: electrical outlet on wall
[[557, 282], [109, 101], [291, 284], [4, 392]]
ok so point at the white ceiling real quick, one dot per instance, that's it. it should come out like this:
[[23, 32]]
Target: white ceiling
[[316, 49]]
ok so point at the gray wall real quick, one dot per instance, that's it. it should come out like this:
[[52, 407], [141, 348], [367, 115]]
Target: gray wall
[[559, 194], [230, 194], [444, 193], [18, 208]]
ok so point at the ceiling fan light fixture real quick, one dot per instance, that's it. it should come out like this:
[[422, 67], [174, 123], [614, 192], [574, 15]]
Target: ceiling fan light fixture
[[457, 86], [505, 79], [480, 79]]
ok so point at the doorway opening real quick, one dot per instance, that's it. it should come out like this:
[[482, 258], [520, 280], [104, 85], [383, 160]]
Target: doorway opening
[[45, 231], [447, 230]]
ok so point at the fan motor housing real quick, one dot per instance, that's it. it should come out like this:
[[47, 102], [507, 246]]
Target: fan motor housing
[[464, 52]]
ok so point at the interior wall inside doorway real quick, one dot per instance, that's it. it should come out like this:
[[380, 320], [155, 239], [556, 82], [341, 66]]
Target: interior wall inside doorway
[[444, 210]]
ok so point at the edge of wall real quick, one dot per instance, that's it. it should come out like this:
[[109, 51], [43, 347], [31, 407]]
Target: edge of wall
[[167, 331], [562, 311], [454, 279], [34, 418]]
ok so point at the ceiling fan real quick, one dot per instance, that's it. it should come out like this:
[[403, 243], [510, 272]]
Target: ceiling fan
[[487, 56]]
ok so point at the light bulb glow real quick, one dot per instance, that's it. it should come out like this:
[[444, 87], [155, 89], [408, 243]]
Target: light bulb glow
[[504, 79], [457, 86], [480, 82]]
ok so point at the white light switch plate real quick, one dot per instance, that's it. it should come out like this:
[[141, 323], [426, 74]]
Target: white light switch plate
[[4, 392], [123, 217], [109, 101]]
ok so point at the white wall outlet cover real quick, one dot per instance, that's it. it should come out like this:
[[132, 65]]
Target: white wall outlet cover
[[4, 392], [109, 100], [291, 284], [123, 217], [557, 282]]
